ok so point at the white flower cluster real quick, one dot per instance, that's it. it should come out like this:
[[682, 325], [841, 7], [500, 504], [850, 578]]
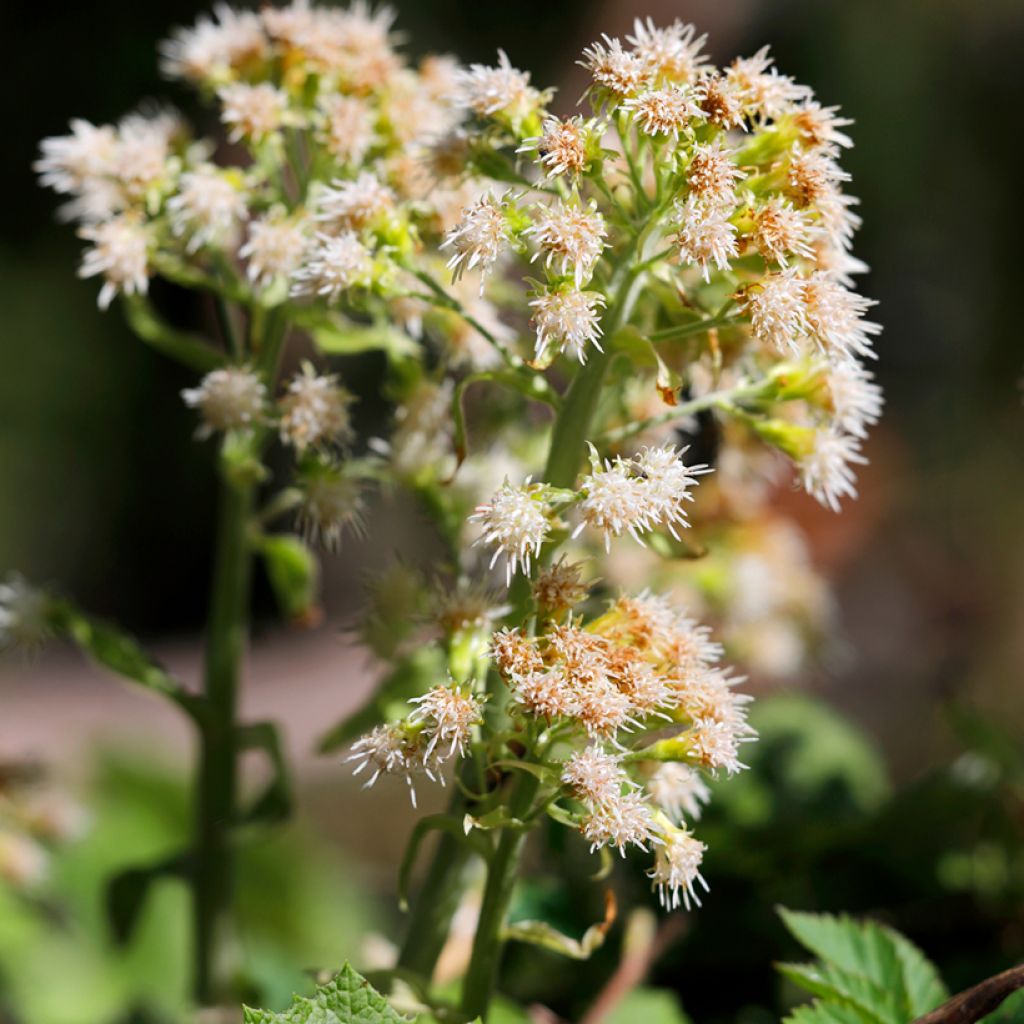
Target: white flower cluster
[[640, 664]]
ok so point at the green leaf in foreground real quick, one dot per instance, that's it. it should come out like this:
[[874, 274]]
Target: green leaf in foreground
[[347, 999], [867, 971]]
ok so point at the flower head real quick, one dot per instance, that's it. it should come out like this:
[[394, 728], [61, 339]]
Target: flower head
[[677, 860], [855, 397], [567, 318], [353, 205], [315, 410], [332, 265], [479, 239], [570, 235], [705, 235], [214, 47], [712, 175], [673, 52], [274, 248], [615, 71], [232, 398], [678, 790], [252, 112], [207, 208], [332, 502], [120, 253], [779, 231], [835, 316], [502, 89], [827, 471], [558, 587], [620, 823], [448, 715], [562, 147], [665, 111], [594, 776], [778, 316], [348, 129], [515, 521]]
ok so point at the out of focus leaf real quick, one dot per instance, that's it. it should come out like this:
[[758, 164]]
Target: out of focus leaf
[[650, 1005], [127, 892], [275, 802]]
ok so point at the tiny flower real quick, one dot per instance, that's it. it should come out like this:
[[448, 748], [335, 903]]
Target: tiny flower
[[569, 319], [826, 473], [252, 112], [546, 694], [715, 745], [712, 175], [68, 162], [559, 587], [516, 522], [594, 776], [668, 484], [212, 48], [571, 235], [489, 91], [762, 90], [779, 230], [677, 860], [778, 316], [678, 790], [665, 111], [614, 502], [615, 70], [562, 148], [119, 252], [619, 823], [603, 709], [718, 102], [856, 398], [207, 208], [332, 502], [515, 654], [141, 160], [813, 176], [835, 316], [348, 131], [24, 622], [353, 205], [448, 715], [391, 750], [314, 410], [274, 249], [332, 265], [819, 126], [231, 398], [705, 236], [707, 695], [479, 238], [673, 52]]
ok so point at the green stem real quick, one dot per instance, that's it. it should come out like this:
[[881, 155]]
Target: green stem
[[488, 943], [227, 634], [697, 327]]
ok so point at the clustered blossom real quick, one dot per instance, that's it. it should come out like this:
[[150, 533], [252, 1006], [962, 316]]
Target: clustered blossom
[[639, 665], [315, 410], [436, 732], [568, 319], [637, 495]]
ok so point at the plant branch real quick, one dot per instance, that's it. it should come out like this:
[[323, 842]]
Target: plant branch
[[977, 1002]]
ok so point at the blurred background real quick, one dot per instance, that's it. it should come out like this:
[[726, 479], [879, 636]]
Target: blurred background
[[890, 782]]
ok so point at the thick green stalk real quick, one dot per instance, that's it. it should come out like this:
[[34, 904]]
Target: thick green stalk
[[216, 801], [488, 943]]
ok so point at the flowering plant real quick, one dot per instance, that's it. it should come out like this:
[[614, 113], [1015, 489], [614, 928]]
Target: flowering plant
[[673, 262]]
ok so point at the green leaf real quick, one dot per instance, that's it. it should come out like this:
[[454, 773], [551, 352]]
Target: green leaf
[[347, 999], [650, 1005], [864, 964], [824, 1013], [410, 678], [540, 933], [121, 654], [294, 574]]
